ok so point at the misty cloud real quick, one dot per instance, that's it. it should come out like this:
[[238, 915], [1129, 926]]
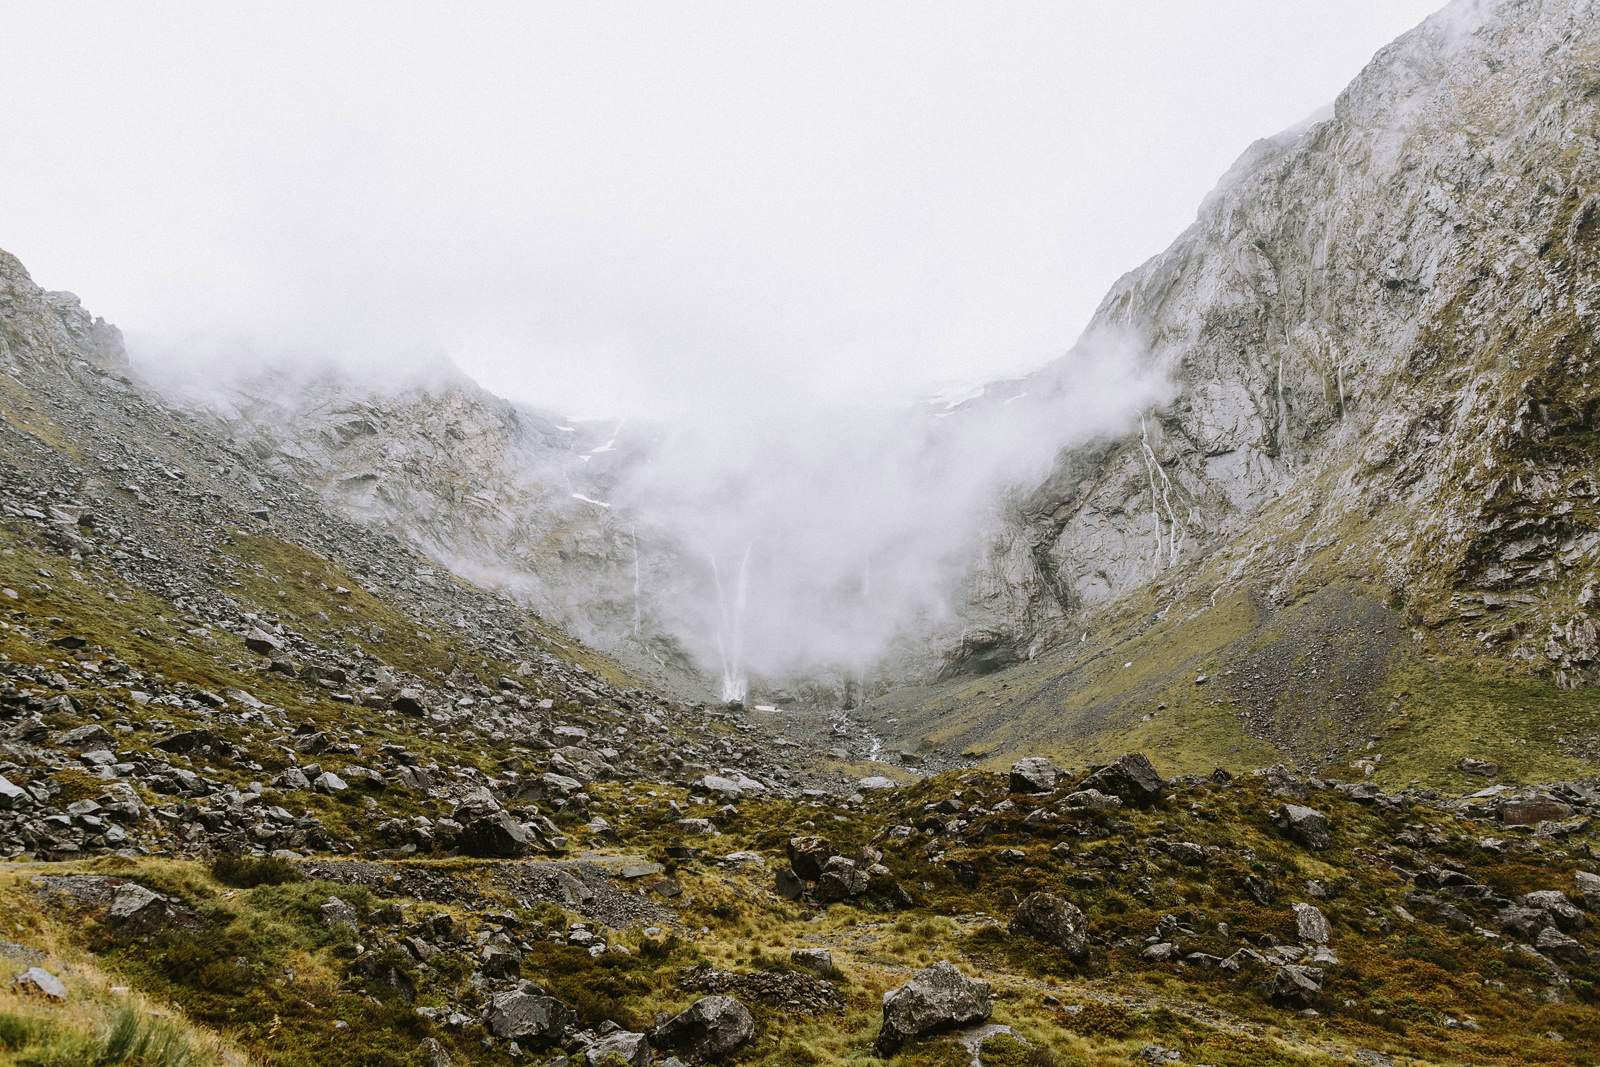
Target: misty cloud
[[823, 536]]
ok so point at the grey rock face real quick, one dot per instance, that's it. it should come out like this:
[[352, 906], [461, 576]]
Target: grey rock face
[[1046, 917], [708, 1029], [137, 910], [841, 879], [1306, 825], [1294, 985], [938, 998], [816, 960], [41, 982], [532, 1021], [808, 854], [1325, 299], [1091, 798], [620, 1049], [496, 835], [1311, 925], [1132, 778], [1034, 775]]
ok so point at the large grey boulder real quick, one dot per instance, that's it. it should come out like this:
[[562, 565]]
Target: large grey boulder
[[1554, 903], [1588, 885], [136, 910], [1306, 825], [495, 834], [808, 854], [1132, 777], [12, 796], [816, 960], [38, 981], [708, 1029], [939, 998], [529, 1019], [1311, 925], [1034, 775], [1558, 946], [841, 879], [621, 1048], [1295, 986], [1046, 917]]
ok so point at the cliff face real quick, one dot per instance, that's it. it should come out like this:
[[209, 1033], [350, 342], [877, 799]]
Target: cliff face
[[1379, 335], [1382, 331], [502, 495]]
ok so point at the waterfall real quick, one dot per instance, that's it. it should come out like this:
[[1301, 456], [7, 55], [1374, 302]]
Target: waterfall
[[633, 532], [730, 628]]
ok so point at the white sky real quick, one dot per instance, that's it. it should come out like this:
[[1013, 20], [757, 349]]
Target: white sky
[[626, 208]]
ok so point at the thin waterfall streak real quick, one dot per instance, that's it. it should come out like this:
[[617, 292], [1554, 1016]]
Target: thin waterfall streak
[[638, 612], [730, 632]]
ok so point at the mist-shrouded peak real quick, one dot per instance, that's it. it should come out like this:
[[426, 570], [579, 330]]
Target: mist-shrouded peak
[[829, 534]]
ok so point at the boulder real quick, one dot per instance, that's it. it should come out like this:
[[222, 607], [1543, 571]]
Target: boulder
[[1554, 903], [500, 961], [790, 886], [808, 855], [1034, 775], [877, 783], [841, 879], [137, 910], [1132, 778], [261, 643], [410, 702], [92, 736], [292, 780], [1091, 798], [1486, 768], [1561, 948], [727, 788], [1306, 825], [1524, 922], [531, 1020], [816, 960], [708, 1029], [495, 835], [939, 998], [1046, 917], [620, 1048], [40, 982], [12, 796], [1531, 811], [1295, 986], [1311, 925], [1588, 885], [328, 782]]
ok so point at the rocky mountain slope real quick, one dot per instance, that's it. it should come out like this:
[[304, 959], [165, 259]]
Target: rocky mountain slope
[[279, 787], [1382, 330], [508, 497], [1377, 462], [274, 789]]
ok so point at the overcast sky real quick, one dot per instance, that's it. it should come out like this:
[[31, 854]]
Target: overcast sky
[[625, 208]]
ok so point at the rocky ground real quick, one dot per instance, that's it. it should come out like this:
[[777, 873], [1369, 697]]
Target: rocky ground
[[277, 788]]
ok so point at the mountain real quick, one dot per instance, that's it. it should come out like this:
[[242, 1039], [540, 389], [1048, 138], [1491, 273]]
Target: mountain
[[1264, 734], [1381, 333]]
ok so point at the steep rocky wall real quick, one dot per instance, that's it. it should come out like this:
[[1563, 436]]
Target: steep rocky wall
[[1381, 328]]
